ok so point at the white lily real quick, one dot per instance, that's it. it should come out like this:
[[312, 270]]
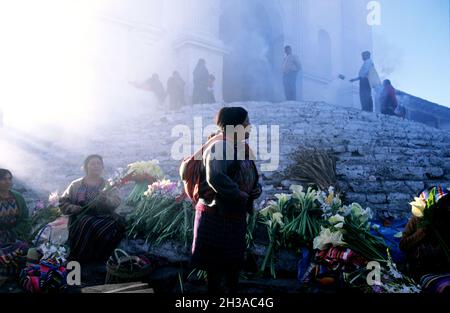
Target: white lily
[[278, 218], [297, 191], [418, 206], [336, 219], [327, 237], [283, 197], [270, 209], [356, 209]]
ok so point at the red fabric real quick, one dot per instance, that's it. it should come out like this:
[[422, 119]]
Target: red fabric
[[390, 92], [191, 168]]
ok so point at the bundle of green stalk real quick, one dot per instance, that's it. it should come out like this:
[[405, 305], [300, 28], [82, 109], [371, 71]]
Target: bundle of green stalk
[[359, 239], [302, 217], [143, 174], [160, 215], [292, 220]]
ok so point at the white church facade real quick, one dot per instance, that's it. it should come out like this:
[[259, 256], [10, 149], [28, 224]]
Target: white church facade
[[242, 42]]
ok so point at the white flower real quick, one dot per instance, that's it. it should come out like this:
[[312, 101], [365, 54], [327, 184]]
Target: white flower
[[296, 188], [327, 237], [150, 168], [365, 215], [270, 209], [278, 218], [418, 206], [283, 197], [356, 209], [336, 219], [297, 191], [398, 235]]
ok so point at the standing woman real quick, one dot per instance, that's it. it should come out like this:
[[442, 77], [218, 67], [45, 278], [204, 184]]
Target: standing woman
[[201, 80], [95, 229], [14, 226], [227, 189]]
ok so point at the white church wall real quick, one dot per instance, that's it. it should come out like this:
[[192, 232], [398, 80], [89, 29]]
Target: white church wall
[[160, 37]]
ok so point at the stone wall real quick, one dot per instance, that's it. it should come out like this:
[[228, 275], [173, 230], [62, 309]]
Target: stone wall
[[424, 111], [382, 161]]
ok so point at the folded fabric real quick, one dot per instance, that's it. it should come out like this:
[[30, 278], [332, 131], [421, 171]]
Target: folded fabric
[[339, 256], [47, 276], [435, 283]]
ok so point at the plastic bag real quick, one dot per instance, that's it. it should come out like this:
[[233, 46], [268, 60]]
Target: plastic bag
[[55, 232]]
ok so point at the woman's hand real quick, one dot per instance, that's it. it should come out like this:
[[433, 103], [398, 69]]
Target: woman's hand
[[243, 197], [74, 209], [256, 193]]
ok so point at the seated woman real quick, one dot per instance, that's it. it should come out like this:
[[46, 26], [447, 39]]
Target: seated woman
[[14, 226], [94, 228], [424, 252]]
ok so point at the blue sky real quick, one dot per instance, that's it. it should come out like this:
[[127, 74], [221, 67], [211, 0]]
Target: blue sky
[[414, 38]]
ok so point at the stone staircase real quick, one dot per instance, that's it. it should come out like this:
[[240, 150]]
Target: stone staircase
[[382, 161]]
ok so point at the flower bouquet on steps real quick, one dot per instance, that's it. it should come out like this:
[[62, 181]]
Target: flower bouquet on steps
[[143, 173], [348, 226], [292, 220], [161, 214]]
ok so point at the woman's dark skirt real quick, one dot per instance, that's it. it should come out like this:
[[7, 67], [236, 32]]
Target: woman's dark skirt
[[219, 242], [94, 238]]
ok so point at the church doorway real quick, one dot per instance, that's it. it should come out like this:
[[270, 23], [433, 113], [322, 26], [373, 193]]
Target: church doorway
[[253, 32]]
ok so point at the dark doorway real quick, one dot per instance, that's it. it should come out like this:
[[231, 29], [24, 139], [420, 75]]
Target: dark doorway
[[253, 33]]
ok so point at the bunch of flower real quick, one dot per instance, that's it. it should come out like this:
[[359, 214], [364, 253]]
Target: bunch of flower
[[144, 169], [159, 215], [348, 226], [272, 217], [142, 173], [164, 187]]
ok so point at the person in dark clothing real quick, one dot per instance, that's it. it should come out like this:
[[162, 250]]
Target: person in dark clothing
[[175, 90], [228, 187], [201, 81], [154, 85], [388, 98], [368, 79], [157, 87]]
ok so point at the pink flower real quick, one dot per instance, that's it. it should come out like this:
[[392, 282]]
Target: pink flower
[[53, 199], [163, 187], [39, 205]]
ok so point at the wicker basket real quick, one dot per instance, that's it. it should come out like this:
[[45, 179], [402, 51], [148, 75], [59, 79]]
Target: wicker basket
[[126, 268]]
